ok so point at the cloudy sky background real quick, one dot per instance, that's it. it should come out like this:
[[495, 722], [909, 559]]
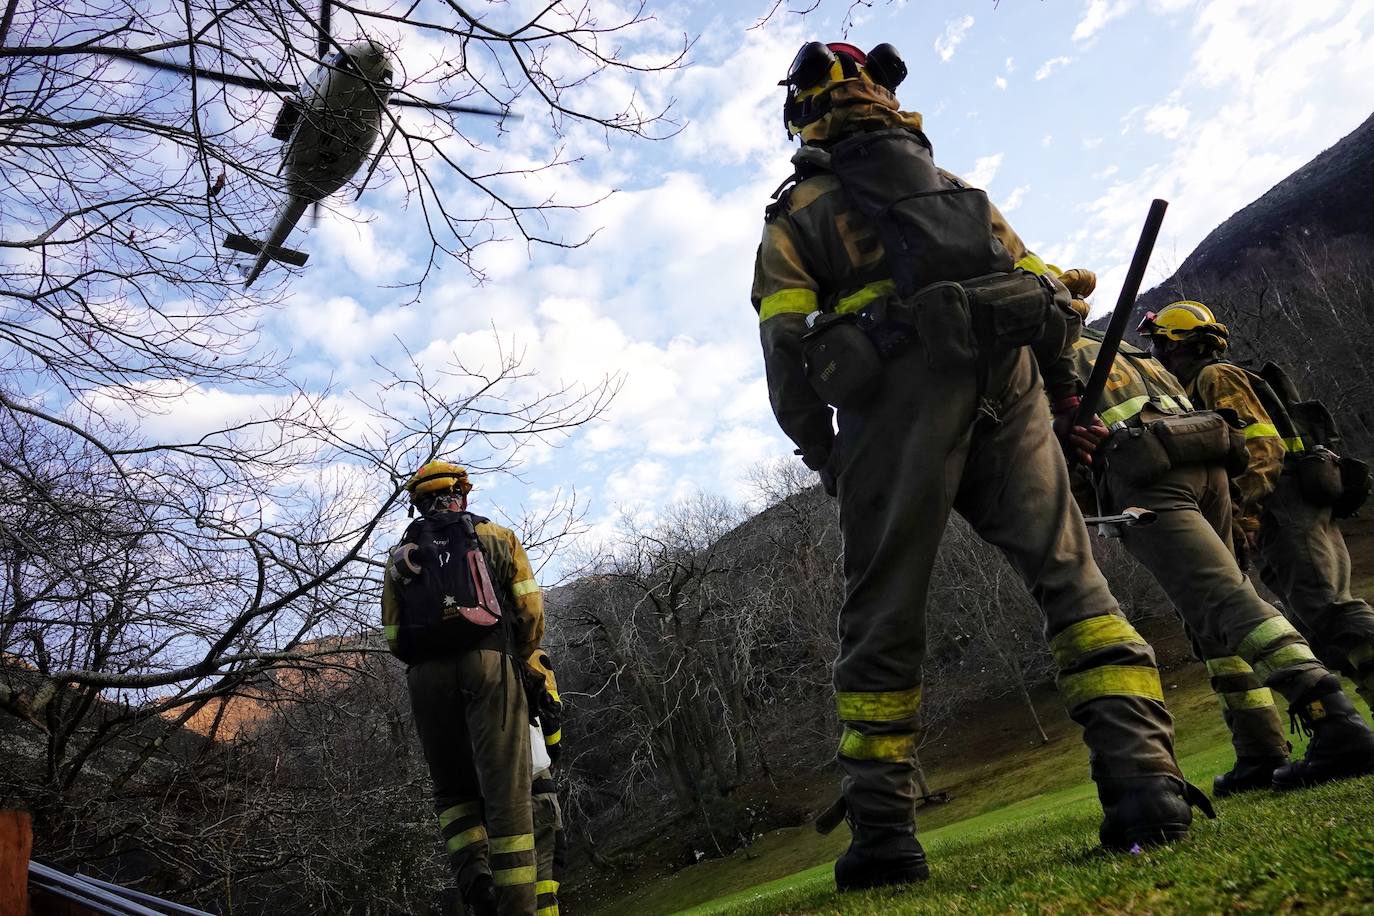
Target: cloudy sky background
[[1072, 113]]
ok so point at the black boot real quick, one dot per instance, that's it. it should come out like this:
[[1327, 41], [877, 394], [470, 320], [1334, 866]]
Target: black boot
[[1147, 810], [1249, 774], [1342, 745], [480, 897], [879, 856]]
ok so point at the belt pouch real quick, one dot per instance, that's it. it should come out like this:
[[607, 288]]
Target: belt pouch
[[1136, 456], [842, 363], [1319, 477], [1010, 309], [1355, 486], [1201, 437]]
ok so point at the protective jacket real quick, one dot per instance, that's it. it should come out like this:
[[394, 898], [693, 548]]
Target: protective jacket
[[518, 592], [1220, 385], [1137, 379], [793, 277]]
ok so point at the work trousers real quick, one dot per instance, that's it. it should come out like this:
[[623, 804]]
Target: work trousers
[[916, 449], [471, 715], [1248, 646], [548, 842], [1304, 560]]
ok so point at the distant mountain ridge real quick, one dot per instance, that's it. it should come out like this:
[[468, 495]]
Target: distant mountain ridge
[[1332, 195]]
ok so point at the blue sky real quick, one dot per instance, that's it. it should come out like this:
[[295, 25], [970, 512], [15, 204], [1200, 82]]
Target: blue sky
[[1072, 113]]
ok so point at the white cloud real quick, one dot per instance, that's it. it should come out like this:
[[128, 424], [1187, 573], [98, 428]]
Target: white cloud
[[984, 170], [1167, 120], [1051, 65], [1108, 172], [1014, 199], [1011, 65], [1000, 82], [1046, 140], [1091, 143], [1097, 14], [953, 36]]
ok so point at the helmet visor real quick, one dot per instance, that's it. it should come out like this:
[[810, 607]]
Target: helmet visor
[[810, 66]]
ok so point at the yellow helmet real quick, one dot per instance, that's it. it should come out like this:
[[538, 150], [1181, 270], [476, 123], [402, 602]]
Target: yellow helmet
[[1185, 320], [438, 477]]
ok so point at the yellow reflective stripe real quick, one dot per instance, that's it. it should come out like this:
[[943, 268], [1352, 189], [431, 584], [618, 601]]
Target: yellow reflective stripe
[[1261, 431], [1032, 263], [466, 809], [1110, 681], [1229, 664], [1293, 445], [1286, 657], [1125, 410], [554, 738], [1176, 402], [466, 838], [392, 631], [855, 301], [505, 877], [787, 302], [1253, 644], [1078, 639], [522, 842], [887, 748], [546, 887], [524, 587], [879, 706], [556, 697], [1259, 698]]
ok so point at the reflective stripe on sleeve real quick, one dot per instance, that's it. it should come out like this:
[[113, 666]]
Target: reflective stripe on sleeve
[[1125, 410], [554, 738], [1272, 630], [524, 587], [787, 302], [1110, 681], [1078, 639], [880, 706], [1259, 698], [1261, 431], [885, 748], [1296, 444], [392, 631], [855, 301], [1032, 263], [546, 887]]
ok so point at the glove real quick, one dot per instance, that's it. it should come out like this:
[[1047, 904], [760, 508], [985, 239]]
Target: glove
[[1077, 441]]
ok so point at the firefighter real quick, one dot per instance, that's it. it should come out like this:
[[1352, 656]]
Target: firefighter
[[1164, 456], [939, 418], [1301, 552], [459, 605], [550, 842]]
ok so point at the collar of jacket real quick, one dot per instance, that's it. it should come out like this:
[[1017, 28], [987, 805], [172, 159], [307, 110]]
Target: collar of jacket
[[857, 105]]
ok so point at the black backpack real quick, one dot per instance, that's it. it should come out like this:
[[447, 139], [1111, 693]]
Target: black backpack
[[451, 604]]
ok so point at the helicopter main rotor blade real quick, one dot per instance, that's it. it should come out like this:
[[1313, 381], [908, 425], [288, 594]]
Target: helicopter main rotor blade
[[457, 109], [232, 79]]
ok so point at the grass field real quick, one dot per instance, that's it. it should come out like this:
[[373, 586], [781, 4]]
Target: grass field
[[1020, 835]]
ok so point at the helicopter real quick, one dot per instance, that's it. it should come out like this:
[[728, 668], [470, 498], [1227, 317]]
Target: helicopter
[[328, 125]]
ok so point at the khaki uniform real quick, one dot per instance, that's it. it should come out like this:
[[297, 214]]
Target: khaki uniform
[[916, 450], [1303, 557], [548, 840], [1244, 641], [473, 721]]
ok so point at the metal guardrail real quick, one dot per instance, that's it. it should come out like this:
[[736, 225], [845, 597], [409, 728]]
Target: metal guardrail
[[102, 896]]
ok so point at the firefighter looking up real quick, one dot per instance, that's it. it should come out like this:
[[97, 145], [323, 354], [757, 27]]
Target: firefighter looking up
[[939, 407], [1301, 553], [1164, 456], [459, 605]]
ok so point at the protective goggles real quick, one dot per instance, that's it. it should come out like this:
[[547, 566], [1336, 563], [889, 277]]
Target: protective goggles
[[814, 62]]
